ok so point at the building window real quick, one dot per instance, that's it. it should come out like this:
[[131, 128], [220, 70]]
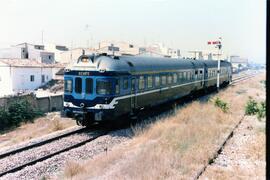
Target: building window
[[49, 57], [32, 78], [42, 78], [125, 83], [150, 81], [141, 82], [47, 77]]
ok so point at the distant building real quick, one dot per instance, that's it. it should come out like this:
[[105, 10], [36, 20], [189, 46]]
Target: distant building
[[24, 75], [57, 50], [28, 51], [73, 54], [122, 48], [239, 63], [159, 50]]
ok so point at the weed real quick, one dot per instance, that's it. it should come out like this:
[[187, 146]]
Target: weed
[[221, 104], [251, 107]]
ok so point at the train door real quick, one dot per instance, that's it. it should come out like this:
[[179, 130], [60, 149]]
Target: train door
[[133, 99]]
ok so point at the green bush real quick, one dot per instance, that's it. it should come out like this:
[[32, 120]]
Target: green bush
[[221, 104], [251, 107], [4, 118], [18, 111], [261, 110], [255, 108]]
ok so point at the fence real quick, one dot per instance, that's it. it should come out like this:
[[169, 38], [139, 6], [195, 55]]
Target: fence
[[45, 104]]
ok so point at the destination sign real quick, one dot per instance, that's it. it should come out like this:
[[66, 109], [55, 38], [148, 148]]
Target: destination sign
[[84, 73]]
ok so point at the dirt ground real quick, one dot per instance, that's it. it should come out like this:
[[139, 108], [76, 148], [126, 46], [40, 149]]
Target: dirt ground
[[52, 122], [179, 145], [244, 154]]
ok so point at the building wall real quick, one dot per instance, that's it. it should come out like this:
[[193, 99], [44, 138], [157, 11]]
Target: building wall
[[57, 52], [5, 80], [21, 78], [12, 52]]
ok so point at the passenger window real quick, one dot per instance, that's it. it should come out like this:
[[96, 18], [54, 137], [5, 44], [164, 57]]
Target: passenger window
[[133, 84], [125, 83], [157, 80], [141, 82], [188, 76], [117, 86], [179, 76], [169, 79], [174, 78], [150, 81], [78, 85], [89, 86], [184, 76], [163, 80]]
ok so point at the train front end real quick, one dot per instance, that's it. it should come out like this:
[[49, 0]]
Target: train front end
[[89, 92]]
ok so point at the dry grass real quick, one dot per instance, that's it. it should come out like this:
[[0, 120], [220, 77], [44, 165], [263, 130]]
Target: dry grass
[[175, 147], [41, 126]]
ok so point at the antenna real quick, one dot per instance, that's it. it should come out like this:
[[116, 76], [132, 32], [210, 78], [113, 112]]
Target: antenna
[[42, 37]]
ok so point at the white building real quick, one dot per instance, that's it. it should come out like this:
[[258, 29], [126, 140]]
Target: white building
[[24, 75], [238, 63], [28, 51], [159, 49], [118, 47], [57, 50], [72, 55]]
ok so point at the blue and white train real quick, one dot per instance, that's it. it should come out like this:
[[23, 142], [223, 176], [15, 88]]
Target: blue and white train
[[103, 88]]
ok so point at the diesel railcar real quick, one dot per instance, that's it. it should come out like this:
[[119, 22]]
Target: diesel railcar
[[102, 87]]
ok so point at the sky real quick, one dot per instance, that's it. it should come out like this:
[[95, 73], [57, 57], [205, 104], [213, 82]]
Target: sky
[[183, 24]]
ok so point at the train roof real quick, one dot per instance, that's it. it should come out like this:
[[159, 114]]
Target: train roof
[[137, 64]]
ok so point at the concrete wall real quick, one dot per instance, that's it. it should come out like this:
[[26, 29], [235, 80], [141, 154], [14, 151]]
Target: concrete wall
[[52, 103], [12, 52], [45, 104]]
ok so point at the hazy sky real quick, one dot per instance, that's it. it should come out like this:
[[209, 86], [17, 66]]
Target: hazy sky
[[183, 24]]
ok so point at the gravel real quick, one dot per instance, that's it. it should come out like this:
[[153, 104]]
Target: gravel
[[52, 166], [21, 158], [37, 140], [236, 157]]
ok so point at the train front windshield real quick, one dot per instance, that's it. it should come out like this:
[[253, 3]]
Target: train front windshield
[[104, 87]]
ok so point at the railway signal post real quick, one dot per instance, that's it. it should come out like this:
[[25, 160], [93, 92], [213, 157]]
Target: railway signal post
[[219, 46]]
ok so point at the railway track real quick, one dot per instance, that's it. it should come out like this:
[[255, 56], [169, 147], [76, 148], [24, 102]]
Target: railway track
[[92, 137], [31, 160]]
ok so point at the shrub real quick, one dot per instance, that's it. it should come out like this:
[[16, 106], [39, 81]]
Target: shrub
[[261, 110], [251, 107], [4, 118], [221, 104], [255, 108], [19, 110]]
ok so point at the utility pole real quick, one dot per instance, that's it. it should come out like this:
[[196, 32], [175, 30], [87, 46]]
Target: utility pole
[[42, 37], [219, 46]]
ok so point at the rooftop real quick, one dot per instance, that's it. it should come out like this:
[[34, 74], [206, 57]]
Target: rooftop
[[27, 63]]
